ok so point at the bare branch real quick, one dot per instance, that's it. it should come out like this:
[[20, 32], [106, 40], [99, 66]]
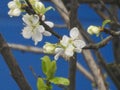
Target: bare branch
[[100, 44], [86, 73], [13, 66]]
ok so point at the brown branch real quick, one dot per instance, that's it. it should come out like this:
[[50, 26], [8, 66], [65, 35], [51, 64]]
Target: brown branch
[[104, 65], [13, 66], [85, 72], [93, 1], [100, 44]]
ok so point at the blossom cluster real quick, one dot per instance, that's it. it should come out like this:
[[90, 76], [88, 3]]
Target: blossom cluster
[[33, 29], [67, 46]]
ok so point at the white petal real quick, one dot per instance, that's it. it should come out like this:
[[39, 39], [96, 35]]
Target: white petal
[[35, 19], [14, 12], [30, 19], [65, 40], [12, 5], [58, 52], [46, 33], [69, 50], [79, 43], [27, 32], [43, 18], [74, 33], [78, 50], [50, 24], [37, 38], [40, 28]]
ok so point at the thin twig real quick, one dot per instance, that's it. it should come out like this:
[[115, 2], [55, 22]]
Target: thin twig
[[100, 44]]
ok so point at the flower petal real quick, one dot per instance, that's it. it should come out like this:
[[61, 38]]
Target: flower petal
[[79, 43], [58, 52], [14, 12], [78, 50], [74, 33], [43, 17], [31, 19], [27, 32], [50, 24], [12, 5], [37, 36], [65, 40], [46, 33], [69, 50], [40, 28]]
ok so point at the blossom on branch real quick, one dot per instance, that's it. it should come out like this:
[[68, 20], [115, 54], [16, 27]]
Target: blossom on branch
[[94, 30], [49, 48], [33, 28], [69, 45], [15, 8], [39, 7]]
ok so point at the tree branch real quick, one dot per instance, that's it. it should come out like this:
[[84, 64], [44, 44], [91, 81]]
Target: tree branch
[[13, 66]]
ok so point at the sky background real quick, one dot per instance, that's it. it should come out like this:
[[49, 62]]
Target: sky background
[[11, 29]]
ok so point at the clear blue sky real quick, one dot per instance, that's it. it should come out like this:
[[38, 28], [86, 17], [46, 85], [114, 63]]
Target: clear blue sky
[[11, 28]]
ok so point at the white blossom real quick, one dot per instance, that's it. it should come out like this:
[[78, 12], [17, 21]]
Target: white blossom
[[69, 45], [33, 29], [15, 8], [94, 30]]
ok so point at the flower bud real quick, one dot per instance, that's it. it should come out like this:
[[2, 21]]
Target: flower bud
[[49, 48], [94, 30]]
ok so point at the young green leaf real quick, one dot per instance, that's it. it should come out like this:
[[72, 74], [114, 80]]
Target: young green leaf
[[52, 70], [46, 64], [40, 84], [105, 22], [60, 80]]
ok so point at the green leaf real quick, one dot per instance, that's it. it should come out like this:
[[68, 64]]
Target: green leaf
[[60, 80], [40, 84], [52, 70], [49, 8], [105, 22], [46, 64]]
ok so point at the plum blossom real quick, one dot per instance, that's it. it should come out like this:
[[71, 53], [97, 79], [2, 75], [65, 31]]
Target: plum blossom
[[15, 8], [33, 29], [94, 30], [69, 45]]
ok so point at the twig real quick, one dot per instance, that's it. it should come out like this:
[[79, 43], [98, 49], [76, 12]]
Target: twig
[[33, 72], [104, 65], [83, 71], [109, 12], [13, 66], [62, 9], [93, 1], [100, 44]]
